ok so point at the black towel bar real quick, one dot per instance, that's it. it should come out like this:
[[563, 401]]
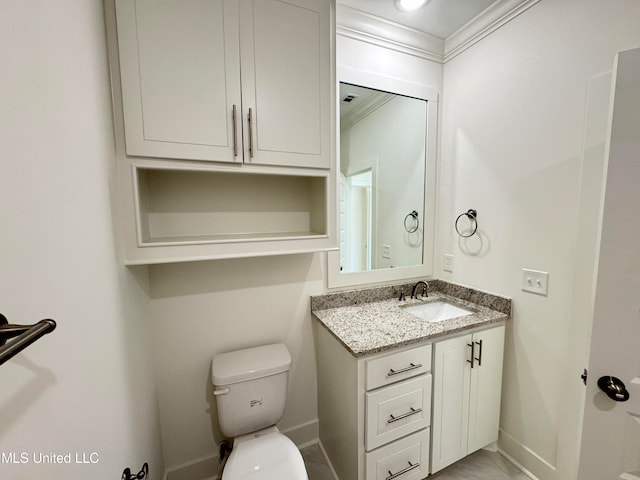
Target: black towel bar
[[24, 336]]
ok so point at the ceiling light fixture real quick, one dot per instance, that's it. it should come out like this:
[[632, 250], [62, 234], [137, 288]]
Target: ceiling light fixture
[[410, 5]]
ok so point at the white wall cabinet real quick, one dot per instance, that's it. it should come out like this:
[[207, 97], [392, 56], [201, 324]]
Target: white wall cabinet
[[467, 389], [225, 127], [245, 81]]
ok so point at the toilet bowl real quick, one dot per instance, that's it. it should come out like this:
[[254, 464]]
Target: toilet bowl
[[264, 455], [250, 389]]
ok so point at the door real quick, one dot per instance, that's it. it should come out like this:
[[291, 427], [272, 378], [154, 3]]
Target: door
[[180, 71], [610, 447]]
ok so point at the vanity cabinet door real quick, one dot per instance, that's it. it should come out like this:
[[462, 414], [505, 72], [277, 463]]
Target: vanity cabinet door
[[451, 386], [180, 78], [486, 388], [467, 388]]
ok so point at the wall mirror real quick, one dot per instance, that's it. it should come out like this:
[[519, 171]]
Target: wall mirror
[[386, 190]]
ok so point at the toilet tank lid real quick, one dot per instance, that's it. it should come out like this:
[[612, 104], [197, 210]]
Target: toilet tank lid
[[249, 364]]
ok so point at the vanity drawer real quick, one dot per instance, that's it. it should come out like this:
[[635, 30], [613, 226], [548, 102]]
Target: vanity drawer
[[392, 368], [405, 459], [397, 410]]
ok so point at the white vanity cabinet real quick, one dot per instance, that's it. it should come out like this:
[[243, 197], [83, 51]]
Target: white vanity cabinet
[[467, 388], [241, 81], [375, 412]]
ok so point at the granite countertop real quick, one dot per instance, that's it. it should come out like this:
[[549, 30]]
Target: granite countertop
[[370, 327]]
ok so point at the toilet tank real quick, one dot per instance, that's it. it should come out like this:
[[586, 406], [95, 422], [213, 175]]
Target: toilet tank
[[250, 387]]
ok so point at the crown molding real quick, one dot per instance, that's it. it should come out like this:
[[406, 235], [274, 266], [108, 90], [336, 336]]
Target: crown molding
[[352, 23], [491, 19], [362, 26]]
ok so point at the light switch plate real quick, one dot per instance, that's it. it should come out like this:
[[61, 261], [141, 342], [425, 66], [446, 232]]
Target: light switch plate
[[535, 281], [386, 251], [447, 263]]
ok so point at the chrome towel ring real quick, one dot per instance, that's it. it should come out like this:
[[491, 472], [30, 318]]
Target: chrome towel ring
[[416, 222], [472, 215]]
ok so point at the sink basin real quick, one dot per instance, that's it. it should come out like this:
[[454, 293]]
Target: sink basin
[[436, 311]]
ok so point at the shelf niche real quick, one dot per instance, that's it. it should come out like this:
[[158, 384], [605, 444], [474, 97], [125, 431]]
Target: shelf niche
[[186, 207]]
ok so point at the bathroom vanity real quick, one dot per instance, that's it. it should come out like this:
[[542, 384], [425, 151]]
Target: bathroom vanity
[[407, 387]]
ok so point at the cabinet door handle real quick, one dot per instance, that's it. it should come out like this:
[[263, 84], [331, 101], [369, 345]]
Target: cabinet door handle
[[412, 366], [250, 120], [473, 353], [234, 117], [413, 411], [411, 466], [479, 359]]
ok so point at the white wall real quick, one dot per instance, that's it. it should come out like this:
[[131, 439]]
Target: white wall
[[203, 308], [86, 387], [512, 147]]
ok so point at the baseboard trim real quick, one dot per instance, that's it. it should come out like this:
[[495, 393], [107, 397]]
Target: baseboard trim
[[198, 469], [531, 464], [304, 434]]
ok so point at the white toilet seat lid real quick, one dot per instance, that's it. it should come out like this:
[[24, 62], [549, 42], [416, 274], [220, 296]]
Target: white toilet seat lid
[[270, 456]]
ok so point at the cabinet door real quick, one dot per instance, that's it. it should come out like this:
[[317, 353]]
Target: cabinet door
[[286, 82], [451, 380], [180, 75], [486, 388]]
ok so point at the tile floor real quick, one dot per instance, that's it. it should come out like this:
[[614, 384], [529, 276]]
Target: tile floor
[[482, 465]]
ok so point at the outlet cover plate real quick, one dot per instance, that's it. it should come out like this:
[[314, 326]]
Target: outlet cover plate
[[448, 263], [535, 281]]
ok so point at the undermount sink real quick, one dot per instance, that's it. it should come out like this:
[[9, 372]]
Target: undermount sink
[[436, 311]]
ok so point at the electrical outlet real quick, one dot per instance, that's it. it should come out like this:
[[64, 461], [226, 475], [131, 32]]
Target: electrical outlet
[[535, 282], [448, 262], [386, 251]]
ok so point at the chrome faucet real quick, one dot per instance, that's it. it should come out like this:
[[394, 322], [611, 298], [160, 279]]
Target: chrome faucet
[[425, 289]]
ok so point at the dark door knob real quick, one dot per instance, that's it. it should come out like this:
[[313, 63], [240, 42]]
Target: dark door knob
[[614, 388]]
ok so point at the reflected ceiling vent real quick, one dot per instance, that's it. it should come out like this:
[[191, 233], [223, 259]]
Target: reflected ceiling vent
[[350, 97]]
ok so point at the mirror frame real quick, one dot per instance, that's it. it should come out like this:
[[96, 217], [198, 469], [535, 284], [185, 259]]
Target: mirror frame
[[335, 278]]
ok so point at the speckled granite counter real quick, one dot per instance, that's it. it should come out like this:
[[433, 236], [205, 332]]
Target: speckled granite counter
[[372, 320]]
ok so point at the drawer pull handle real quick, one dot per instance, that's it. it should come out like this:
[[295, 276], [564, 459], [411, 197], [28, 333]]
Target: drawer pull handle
[[413, 411], [412, 466], [412, 366]]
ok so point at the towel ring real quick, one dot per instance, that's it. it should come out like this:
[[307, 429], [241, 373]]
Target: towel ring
[[472, 215], [412, 228]]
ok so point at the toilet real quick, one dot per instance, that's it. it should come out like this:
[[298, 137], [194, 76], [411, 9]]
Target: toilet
[[251, 390]]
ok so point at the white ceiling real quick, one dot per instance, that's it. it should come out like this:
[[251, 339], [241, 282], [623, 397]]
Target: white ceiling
[[438, 17]]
